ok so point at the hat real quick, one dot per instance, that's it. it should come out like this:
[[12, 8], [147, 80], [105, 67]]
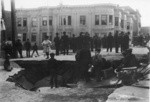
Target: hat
[[127, 51]]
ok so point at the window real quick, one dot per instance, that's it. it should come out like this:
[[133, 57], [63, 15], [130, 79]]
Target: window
[[50, 20], [96, 19], [110, 20], [122, 23], [82, 20], [24, 36], [33, 37], [128, 25], [116, 21], [24, 22], [69, 20], [44, 36], [104, 19], [64, 20], [34, 22], [19, 22], [44, 21], [61, 21]]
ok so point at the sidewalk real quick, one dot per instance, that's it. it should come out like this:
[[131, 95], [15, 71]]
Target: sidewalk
[[129, 94]]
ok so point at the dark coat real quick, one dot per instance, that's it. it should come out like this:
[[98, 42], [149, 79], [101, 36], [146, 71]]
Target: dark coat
[[57, 41], [27, 45]]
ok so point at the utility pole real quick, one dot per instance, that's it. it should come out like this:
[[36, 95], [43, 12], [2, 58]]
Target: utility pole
[[2, 31], [3, 36], [13, 24]]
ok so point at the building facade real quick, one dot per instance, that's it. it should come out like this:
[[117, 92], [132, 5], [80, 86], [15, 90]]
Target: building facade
[[100, 19], [0, 26]]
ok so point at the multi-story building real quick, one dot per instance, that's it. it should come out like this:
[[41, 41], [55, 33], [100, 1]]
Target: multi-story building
[[100, 19], [0, 25]]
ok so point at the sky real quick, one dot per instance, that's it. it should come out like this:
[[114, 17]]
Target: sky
[[142, 5]]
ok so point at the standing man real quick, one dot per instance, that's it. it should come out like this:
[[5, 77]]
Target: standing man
[[27, 46], [8, 47], [18, 46], [126, 41], [109, 42], [84, 60], [96, 41], [52, 66], [73, 43], [121, 41], [86, 43], [91, 43], [148, 47], [80, 41], [116, 41], [65, 43], [57, 43]]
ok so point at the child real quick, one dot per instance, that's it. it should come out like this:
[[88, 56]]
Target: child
[[35, 49], [52, 64], [7, 66]]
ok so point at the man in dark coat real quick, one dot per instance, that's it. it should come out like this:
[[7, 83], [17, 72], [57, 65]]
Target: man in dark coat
[[65, 43], [80, 41], [52, 67], [129, 60], [109, 42], [86, 41], [84, 59], [126, 41], [121, 41], [57, 43], [96, 41], [91, 43], [104, 41], [7, 46], [18, 46], [116, 41], [73, 43], [27, 46]]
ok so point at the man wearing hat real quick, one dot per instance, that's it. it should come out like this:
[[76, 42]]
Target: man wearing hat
[[148, 46], [65, 43], [129, 59]]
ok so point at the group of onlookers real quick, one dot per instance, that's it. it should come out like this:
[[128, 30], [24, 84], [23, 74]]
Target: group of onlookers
[[141, 40], [64, 43], [9, 48]]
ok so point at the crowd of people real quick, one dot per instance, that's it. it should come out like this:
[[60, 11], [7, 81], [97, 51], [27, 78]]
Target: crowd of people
[[141, 40], [119, 40], [64, 44]]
